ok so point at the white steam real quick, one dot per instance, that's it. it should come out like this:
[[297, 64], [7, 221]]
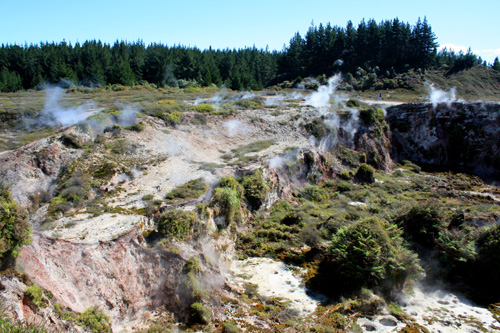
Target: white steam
[[234, 127], [437, 96], [341, 129], [320, 99], [54, 114]]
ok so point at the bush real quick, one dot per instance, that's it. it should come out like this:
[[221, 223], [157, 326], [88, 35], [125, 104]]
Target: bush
[[137, 127], [369, 253], [314, 193], [345, 175], [230, 327], [193, 265], [317, 128], [365, 174], [486, 271], [199, 314], [199, 119], [176, 223], [371, 116], [421, 224], [255, 189], [353, 103], [203, 108], [95, 319], [226, 201], [14, 225], [36, 294]]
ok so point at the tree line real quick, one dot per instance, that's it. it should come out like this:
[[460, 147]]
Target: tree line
[[384, 48]]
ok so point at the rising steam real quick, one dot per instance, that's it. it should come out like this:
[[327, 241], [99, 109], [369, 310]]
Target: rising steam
[[54, 114], [437, 96]]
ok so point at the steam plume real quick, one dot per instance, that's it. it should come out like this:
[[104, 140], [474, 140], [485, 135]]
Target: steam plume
[[54, 114], [437, 96]]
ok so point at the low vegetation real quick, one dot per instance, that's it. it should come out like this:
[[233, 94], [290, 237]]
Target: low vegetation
[[176, 223], [14, 226], [191, 190]]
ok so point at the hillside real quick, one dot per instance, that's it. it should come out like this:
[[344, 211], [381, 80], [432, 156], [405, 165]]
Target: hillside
[[202, 209]]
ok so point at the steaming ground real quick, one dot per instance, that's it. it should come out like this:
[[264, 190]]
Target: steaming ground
[[277, 280], [165, 158]]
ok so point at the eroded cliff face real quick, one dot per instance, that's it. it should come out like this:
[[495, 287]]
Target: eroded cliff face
[[457, 136], [123, 277]]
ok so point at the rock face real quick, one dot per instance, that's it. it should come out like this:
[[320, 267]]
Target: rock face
[[33, 168], [122, 277], [457, 136]]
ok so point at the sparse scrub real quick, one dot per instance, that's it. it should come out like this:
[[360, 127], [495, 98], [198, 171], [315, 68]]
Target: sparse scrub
[[253, 147], [248, 103], [190, 190]]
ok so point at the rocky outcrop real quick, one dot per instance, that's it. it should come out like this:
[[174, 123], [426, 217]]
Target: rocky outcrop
[[20, 307], [122, 277], [456, 136], [32, 169]]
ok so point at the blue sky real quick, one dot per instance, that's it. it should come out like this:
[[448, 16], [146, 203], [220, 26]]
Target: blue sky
[[235, 24]]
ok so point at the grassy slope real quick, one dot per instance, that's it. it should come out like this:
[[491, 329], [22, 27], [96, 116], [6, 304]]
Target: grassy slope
[[477, 83]]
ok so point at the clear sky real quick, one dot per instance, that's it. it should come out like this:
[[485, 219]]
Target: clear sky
[[236, 24]]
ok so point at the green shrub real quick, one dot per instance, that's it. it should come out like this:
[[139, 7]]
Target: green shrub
[[94, 319], [148, 197], [353, 103], [421, 224], [199, 119], [176, 223], [365, 174], [249, 103], [190, 190], [203, 108], [193, 265], [486, 269], [371, 116], [314, 193], [253, 147], [36, 294], [14, 225], [370, 253], [345, 175], [317, 128], [343, 186], [199, 314], [229, 326], [106, 171], [226, 202], [137, 127], [255, 189]]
